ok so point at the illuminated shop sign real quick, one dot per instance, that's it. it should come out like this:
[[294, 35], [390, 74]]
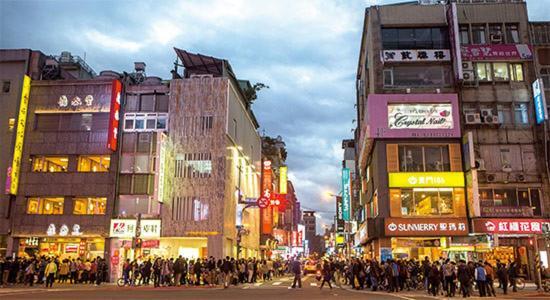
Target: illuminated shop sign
[[149, 228], [408, 55], [426, 179], [508, 226], [63, 230], [281, 236], [541, 111], [425, 226], [76, 101], [13, 176], [283, 180], [123, 228], [114, 116], [497, 52], [420, 116], [346, 194]]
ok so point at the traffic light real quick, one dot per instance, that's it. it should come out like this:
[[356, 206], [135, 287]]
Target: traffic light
[[136, 243]]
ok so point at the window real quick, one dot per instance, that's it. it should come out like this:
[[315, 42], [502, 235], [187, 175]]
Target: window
[[522, 197], [483, 71], [206, 123], [495, 34], [464, 35], [94, 163], [190, 209], [50, 163], [418, 76], [516, 72], [45, 206], [415, 38], [505, 197], [147, 103], [193, 165], [427, 201], [132, 103], [145, 122], [136, 184], [162, 103], [89, 205], [413, 158], [520, 114], [72, 122], [478, 34], [504, 114], [512, 34], [500, 72], [545, 75], [6, 84], [200, 210], [505, 157]]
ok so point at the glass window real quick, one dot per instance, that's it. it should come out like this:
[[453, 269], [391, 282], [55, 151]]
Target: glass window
[[141, 164], [483, 72], [147, 103], [45, 206], [520, 113], [139, 122], [407, 203], [486, 197], [6, 86], [495, 33], [94, 163], [47, 122], [388, 77], [505, 197], [437, 158], [406, 38], [512, 34], [128, 123], [516, 70], [545, 75], [144, 142], [420, 76], [535, 201], [423, 38], [89, 205], [464, 35], [504, 114], [411, 159], [523, 198], [427, 201], [161, 122], [390, 38], [478, 34], [500, 72], [132, 103], [50, 163], [162, 103], [129, 142], [86, 122], [150, 123]]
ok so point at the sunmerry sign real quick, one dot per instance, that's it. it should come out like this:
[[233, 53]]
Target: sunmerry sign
[[420, 116], [426, 179], [425, 227]]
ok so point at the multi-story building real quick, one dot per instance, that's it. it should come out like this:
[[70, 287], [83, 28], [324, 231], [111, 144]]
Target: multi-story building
[[429, 75], [213, 162]]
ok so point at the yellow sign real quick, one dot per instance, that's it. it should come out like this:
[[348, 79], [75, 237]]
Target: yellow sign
[[283, 178], [20, 135], [340, 239], [426, 179]]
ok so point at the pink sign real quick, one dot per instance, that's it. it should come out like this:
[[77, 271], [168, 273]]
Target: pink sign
[[497, 52], [508, 226], [411, 116]]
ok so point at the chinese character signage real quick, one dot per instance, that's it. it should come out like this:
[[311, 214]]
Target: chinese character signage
[[114, 116], [452, 21], [420, 116], [497, 52], [149, 228], [508, 226], [281, 236], [506, 211], [123, 228], [346, 194], [541, 111], [411, 116], [13, 177], [426, 226], [283, 178], [416, 55], [426, 179]]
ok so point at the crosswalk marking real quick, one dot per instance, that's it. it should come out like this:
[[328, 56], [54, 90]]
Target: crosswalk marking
[[258, 284], [277, 283], [313, 284]]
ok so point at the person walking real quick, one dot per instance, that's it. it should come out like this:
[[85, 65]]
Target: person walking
[[49, 272], [327, 275], [480, 277], [226, 269], [296, 268], [489, 279], [435, 278], [463, 275], [502, 274], [449, 272]]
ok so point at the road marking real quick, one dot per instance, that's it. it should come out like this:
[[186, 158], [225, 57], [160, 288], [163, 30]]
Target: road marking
[[313, 284], [258, 284], [277, 283], [246, 287], [382, 293]]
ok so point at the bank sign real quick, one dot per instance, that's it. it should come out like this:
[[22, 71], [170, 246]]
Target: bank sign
[[426, 179], [420, 116], [346, 194], [541, 111]]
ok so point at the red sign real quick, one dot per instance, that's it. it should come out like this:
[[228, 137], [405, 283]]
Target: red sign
[[281, 236], [508, 226], [114, 117], [150, 244], [497, 52], [267, 220], [426, 227], [263, 202], [267, 187], [82, 248]]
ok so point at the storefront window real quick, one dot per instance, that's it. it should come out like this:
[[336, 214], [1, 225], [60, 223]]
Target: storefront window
[[89, 205], [505, 197], [94, 163], [50, 163], [500, 72], [427, 201], [512, 197], [45, 206], [424, 158]]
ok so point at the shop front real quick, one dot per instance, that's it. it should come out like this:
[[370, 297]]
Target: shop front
[[512, 239]]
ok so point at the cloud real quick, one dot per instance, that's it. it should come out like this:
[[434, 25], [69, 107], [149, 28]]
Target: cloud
[[111, 42]]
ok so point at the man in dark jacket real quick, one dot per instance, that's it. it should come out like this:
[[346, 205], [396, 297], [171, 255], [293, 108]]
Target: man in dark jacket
[[463, 275], [227, 268], [178, 270], [435, 278], [296, 268], [502, 274]]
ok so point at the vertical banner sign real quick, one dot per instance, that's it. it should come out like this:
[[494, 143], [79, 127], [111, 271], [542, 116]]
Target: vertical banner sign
[[161, 167], [452, 22], [267, 188], [114, 117], [472, 184], [541, 111], [283, 178], [346, 194], [19, 136]]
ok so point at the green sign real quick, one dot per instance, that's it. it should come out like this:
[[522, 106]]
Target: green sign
[[346, 194]]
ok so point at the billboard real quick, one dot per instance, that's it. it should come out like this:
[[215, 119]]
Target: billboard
[[13, 176], [346, 194], [426, 179], [420, 116], [497, 52], [541, 111], [114, 116], [283, 180]]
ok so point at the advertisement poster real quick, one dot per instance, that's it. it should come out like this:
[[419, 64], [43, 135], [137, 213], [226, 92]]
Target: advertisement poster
[[420, 116], [346, 194]]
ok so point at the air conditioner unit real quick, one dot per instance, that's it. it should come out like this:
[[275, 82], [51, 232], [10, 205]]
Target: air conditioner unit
[[488, 117], [480, 164], [472, 118], [490, 177], [520, 177], [496, 38], [467, 65], [468, 75], [506, 168]]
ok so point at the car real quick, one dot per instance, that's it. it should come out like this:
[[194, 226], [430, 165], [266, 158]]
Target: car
[[310, 266]]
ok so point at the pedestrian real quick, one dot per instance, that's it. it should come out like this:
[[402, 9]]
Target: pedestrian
[[502, 274], [481, 278], [226, 270], [296, 268], [463, 275], [327, 275], [489, 279], [63, 271], [449, 272], [50, 271], [512, 275], [29, 273], [435, 278]]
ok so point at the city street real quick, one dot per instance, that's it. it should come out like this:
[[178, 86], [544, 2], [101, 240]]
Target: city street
[[276, 289]]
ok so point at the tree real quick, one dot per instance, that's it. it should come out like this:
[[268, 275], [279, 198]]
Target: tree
[[251, 92]]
